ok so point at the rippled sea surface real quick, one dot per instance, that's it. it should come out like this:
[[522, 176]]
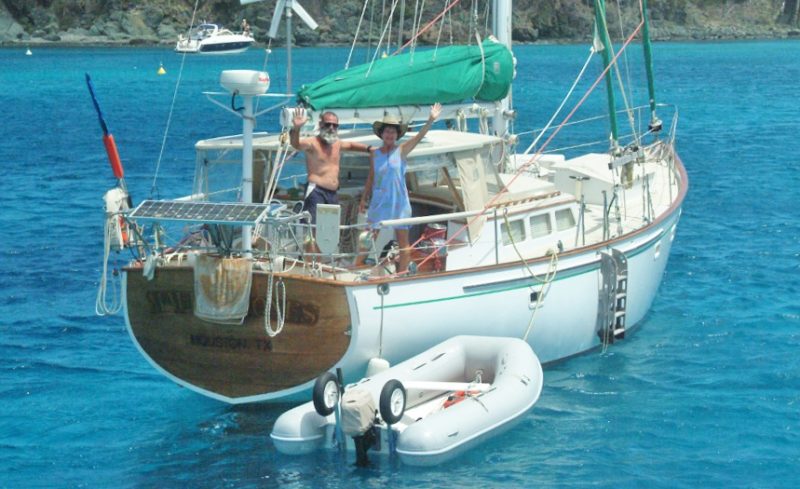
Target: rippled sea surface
[[706, 393]]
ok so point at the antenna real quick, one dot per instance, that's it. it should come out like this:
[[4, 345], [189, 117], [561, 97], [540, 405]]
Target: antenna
[[286, 6], [247, 84]]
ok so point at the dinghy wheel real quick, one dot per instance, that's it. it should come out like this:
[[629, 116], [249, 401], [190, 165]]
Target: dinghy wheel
[[393, 401], [326, 394]]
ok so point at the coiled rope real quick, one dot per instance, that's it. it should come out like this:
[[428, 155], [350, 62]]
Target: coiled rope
[[102, 305], [280, 306], [280, 289]]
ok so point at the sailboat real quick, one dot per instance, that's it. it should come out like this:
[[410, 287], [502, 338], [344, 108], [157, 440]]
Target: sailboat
[[563, 249]]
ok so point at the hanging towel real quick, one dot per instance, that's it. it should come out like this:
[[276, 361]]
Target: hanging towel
[[222, 288]]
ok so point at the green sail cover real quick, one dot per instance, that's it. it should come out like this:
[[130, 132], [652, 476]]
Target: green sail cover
[[447, 75]]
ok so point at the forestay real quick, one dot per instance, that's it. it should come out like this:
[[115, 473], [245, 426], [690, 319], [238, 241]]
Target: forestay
[[445, 75]]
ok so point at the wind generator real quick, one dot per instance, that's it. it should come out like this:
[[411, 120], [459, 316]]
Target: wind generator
[[287, 6]]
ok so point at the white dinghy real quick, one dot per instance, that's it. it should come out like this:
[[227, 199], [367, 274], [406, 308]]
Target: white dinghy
[[431, 407]]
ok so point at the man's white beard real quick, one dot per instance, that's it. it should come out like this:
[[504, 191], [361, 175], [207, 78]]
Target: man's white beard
[[329, 136]]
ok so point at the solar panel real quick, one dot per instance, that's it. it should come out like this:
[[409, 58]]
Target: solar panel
[[210, 212]]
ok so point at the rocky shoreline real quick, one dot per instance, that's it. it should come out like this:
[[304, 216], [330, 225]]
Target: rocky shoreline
[[153, 23], [72, 39]]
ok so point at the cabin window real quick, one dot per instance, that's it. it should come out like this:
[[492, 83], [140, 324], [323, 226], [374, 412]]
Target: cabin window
[[564, 219], [540, 226], [513, 230]]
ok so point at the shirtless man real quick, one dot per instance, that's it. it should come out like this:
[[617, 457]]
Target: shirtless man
[[322, 158]]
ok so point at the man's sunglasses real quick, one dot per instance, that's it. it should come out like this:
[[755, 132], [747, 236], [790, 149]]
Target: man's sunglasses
[[332, 125]]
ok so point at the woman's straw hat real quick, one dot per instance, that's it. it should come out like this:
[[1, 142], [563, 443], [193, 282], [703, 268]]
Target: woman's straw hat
[[389, 120]]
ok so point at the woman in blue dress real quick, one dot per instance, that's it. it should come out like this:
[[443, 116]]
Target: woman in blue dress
[[385, 190]]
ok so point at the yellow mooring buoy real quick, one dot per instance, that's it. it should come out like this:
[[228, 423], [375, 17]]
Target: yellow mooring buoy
[[161, 70]]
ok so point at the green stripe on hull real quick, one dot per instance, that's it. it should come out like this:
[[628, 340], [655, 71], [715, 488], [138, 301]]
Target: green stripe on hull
[[561, 276]]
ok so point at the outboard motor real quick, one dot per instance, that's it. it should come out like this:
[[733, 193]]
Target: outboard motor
[[358, 420]]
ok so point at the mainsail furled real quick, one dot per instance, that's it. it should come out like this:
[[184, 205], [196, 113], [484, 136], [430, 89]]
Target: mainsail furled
[[446, 75]]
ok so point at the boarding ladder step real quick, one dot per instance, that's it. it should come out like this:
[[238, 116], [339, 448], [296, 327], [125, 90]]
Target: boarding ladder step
[[613, 296]]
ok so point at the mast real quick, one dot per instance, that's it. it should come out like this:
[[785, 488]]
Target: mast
[[655, 122], [501, 25], [401, 27], [602, 31], [248, 123]]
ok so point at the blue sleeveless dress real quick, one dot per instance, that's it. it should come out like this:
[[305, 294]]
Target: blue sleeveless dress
[[389, 192]]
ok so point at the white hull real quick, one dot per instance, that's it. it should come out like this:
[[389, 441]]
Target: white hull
[[419, 314], [195, 48]]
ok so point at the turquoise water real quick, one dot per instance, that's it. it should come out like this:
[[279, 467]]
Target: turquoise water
[[705, 394]]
